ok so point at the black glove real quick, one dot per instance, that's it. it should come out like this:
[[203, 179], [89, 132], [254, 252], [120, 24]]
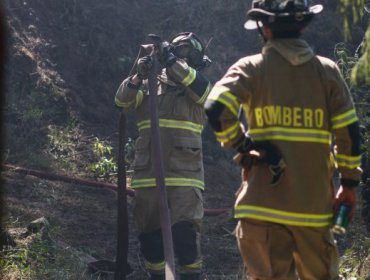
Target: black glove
[[266, 153], [245, 145], [165, 54], [274, 160], [144, 64]]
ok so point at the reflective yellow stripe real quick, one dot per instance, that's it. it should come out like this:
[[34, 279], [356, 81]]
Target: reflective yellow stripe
[[197, 128], [169, 182], [155, 266], [226, 98], [344, 119], [229, 134], [139, 98], [205, 94], [137, 101], [282, 217], [196, 265], [291, 134], [123, 104], [190, 77], [348, 161], [117, 102]]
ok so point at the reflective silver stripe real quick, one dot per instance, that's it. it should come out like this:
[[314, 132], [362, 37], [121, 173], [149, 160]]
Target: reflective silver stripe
[[348, 161], [291, 134], [283, 217], [169, 182], [344, 119], [164, 123]]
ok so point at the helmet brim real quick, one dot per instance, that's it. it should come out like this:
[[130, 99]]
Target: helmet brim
[[255, 14]]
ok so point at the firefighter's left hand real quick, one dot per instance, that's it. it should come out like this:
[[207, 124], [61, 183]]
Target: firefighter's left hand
[[165, 54], [346, 195], [144, 65]]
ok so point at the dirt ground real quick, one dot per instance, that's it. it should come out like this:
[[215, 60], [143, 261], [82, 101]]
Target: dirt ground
[[85, 218]]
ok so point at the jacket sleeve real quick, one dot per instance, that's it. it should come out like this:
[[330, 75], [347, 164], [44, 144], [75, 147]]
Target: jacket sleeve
[[129, 97], [198, 86], [346, 130], [223, 105]]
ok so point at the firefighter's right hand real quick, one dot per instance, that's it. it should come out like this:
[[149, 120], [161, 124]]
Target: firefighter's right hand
[[346, 195], [144, 64], [245, 156], [247, 159]]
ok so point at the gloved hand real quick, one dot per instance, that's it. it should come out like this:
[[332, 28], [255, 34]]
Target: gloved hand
[[277, 171], [262, 151], [246, 156], [273, 158], [245, 145], [346, 195], [144, 64], [165, 54]]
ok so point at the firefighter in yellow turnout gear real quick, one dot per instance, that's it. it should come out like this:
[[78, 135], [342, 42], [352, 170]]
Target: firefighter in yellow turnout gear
[[182, 91], [295, 104]]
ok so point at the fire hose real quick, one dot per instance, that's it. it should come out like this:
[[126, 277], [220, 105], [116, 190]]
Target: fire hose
[[91, 183]]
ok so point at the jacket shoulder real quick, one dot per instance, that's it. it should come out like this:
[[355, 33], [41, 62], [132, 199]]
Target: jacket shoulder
[[250, 60], [326, 62], [247, 64]]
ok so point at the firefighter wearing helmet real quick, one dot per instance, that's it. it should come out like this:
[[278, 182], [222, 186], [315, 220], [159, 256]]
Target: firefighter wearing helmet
[[295, 104], [182, 91]]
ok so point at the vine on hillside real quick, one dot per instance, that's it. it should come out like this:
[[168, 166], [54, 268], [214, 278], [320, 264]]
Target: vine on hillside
[[361, 95], [352, 11], [361, 71], [105, 165]]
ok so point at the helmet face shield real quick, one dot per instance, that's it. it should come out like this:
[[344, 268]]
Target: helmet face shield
[[182, 51], [189, 47]]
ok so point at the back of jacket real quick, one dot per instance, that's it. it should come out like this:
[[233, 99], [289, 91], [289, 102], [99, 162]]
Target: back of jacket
[[294, 100]]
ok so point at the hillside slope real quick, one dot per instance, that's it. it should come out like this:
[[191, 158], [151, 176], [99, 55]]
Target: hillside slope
[[66, 59]]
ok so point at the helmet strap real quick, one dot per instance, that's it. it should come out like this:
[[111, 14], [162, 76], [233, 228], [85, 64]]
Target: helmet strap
[[261, 31]]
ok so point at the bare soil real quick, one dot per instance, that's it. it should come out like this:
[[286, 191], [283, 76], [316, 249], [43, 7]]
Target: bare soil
[[85, 218]]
